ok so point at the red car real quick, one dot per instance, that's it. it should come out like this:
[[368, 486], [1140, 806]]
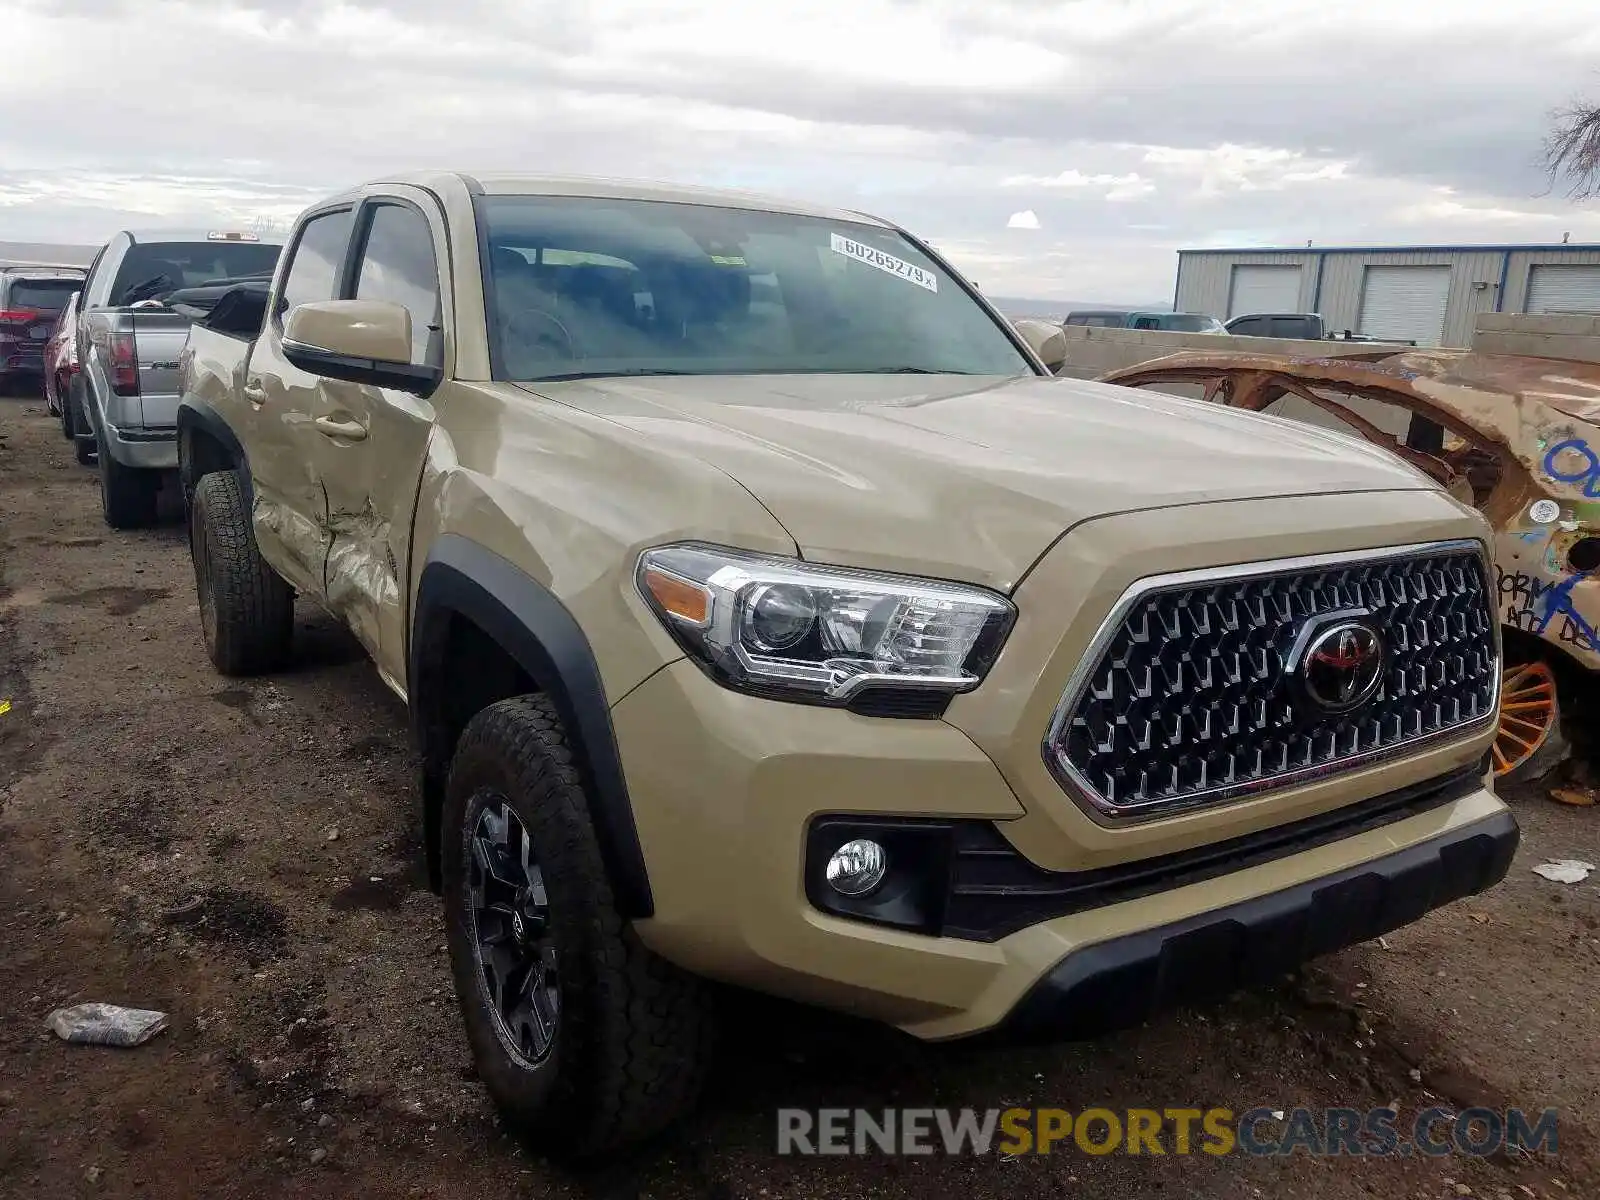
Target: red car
[[30, 300], [61, 362]]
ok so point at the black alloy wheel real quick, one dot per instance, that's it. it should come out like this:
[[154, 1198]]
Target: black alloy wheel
[[510, 925]]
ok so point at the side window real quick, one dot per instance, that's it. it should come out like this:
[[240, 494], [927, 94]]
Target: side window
[[1147, 323], [1249, 327], [318, 255], [397, 265]]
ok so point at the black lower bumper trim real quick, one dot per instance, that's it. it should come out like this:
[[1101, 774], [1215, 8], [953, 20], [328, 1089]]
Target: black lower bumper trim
[[1119, 983]]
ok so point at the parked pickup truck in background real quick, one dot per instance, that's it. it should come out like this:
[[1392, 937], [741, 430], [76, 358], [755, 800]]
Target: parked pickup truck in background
[[1305, 327], [123, 400], [767, 614], [1115, 318]]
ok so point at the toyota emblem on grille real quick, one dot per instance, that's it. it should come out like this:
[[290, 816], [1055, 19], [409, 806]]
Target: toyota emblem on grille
[[1342, 666]]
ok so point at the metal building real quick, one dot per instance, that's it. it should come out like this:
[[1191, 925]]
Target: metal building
[[1427, 294]]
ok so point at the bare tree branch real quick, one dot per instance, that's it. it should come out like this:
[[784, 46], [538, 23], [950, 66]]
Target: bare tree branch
[[1572, 151]]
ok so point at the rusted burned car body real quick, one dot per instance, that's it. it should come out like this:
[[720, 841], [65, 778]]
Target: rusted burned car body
[[1517, 437]]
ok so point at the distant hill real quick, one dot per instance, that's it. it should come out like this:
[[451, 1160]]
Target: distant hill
[[46, 252], [1014, 306]]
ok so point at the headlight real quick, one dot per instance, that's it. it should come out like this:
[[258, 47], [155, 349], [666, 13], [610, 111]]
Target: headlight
[[785, 628]]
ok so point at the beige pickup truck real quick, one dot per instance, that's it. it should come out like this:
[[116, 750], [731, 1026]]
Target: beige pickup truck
[[767, 614]]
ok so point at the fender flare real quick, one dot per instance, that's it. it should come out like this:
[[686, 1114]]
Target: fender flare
[[531, 625], [197, 415]]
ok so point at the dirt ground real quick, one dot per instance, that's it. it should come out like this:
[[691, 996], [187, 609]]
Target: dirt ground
[[241, 854]]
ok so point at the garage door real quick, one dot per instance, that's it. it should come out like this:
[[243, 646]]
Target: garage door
[[1264, 290], [1407, 303], [1564, 289]]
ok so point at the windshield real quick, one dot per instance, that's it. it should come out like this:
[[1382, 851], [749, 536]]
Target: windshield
[[153, 269], [580, 286], [1195, 323]]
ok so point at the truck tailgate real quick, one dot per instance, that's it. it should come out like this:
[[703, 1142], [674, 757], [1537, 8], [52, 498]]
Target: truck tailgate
[[159, 335]]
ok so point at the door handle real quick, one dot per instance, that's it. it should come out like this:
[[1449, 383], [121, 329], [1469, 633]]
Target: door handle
[[349, 431], [255, 393]]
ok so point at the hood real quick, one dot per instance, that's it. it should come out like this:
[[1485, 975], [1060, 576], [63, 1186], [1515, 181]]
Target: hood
[[972, 478]]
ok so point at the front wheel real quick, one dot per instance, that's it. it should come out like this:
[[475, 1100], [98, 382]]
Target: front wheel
[[586, 1041]]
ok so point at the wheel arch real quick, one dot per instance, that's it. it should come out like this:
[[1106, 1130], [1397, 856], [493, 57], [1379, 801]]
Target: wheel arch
[[465, 591], [206, 443]]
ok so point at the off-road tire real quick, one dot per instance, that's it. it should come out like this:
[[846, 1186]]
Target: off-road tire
[[246, 608], [127, 494], [635, 1032]]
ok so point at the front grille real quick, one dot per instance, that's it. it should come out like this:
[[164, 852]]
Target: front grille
[[1189, 693]]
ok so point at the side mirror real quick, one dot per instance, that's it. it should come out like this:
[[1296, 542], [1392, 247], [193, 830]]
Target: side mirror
[[362, 341], [1045, 339]]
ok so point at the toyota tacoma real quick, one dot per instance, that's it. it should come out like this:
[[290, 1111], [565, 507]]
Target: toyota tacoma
[[768, 615]]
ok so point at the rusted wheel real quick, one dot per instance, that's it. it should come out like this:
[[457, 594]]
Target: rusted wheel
[[1529, 742]]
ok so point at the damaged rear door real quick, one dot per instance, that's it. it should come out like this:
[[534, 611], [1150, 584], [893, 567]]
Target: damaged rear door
[[370, 441]]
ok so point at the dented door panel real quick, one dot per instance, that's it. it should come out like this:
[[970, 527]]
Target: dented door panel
[[371, 442], [290, 510], [371, 489]]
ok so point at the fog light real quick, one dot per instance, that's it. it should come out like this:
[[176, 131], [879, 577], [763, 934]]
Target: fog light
[[857, 867]]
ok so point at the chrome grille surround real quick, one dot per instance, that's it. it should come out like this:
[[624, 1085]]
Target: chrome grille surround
[[1149, 726]]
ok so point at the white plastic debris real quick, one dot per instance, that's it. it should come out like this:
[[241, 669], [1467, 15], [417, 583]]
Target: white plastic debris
[[107, 1024], [1564, 870]]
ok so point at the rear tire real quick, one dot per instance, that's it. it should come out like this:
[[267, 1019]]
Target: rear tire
[[64, 401], [246, 608], [84, 445], [587, 1041], [127, 494]]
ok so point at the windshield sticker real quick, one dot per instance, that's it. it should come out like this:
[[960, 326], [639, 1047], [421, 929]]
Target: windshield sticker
[[885, 262]]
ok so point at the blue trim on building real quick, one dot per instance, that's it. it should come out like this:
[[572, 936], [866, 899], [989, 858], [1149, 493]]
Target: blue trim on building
[[1513, 248]]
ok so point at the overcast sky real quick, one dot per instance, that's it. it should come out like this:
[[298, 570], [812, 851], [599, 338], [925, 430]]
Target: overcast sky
[[1054, 148]]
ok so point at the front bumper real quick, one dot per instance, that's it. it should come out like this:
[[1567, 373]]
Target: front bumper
[[1121, 982], [726, 789]]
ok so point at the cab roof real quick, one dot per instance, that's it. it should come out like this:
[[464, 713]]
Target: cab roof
[[494, 183]]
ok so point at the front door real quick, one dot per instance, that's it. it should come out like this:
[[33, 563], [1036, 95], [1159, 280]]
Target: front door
[[290, 512], [370, 442]]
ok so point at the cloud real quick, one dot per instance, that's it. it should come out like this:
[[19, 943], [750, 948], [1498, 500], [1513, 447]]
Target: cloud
[[1229, 167], [1116, 187], [1027, 219], [1127, 128]]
